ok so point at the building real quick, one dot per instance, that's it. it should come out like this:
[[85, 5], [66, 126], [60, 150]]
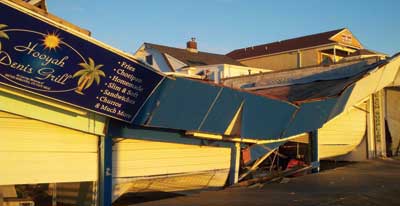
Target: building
[[170, 59], [192, 62], [109, 124], [323, 48], [84, 136]]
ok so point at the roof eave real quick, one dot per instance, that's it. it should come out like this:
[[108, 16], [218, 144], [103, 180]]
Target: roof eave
[[283, 52]]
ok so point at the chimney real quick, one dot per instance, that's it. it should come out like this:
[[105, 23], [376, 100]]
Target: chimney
[[191, 45]]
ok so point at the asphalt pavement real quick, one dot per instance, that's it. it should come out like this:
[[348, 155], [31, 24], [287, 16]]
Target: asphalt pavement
[[375, 182]]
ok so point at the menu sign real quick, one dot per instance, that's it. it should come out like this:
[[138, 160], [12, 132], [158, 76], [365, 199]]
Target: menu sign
[[43, 59]]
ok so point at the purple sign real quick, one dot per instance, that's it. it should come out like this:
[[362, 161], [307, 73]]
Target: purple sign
[[40, 58]]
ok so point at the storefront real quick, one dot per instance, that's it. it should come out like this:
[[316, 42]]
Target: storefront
[[45, 147], [58, 89]]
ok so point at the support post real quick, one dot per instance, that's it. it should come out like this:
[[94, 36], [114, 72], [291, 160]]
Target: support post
[[334, 54], [1, 198], [299, 63], [371, 146], [54, 195], [314, 151], [379, 124], [105, 177], [235, 163]]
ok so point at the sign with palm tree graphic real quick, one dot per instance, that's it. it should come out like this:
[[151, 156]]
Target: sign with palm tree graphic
[[88, 75], [3, 34], [40, 57]]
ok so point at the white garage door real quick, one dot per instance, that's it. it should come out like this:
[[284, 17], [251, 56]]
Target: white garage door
[[141, 165], [33, 152], [135, 158], [342, 134]]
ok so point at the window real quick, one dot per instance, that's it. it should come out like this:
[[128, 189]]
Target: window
[[326, 59], [149, 59], [66, 194]]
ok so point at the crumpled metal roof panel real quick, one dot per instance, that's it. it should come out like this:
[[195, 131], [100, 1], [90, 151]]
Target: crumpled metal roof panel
[[222, 111], [265, 118], [189, 105], [310, 116]]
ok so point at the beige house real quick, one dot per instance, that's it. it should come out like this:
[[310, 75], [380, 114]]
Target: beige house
[[323, 48]]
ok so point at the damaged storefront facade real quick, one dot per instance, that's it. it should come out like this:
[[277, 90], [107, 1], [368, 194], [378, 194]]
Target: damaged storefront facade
[[116, 126]]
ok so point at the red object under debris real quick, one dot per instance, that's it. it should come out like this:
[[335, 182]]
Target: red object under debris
[[295, 163], [246, 155]]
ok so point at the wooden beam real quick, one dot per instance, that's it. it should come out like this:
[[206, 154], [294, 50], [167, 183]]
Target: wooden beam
[[273, 176], [256, 164]]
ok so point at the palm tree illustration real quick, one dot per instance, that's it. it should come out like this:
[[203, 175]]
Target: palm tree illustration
[[88, 75], [2, 33]]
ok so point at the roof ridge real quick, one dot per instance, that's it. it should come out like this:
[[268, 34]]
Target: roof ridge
[[183, 49], [191, 58]]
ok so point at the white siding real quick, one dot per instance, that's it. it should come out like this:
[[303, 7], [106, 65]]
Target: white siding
[[27, 105], [135, 158], [142, 165], [175, 63], [159, 62], [33, 152], [342, 134], [374, 82]]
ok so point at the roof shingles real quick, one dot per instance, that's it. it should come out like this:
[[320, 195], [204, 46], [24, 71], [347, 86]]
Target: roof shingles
[[286, 45], [194, 59]]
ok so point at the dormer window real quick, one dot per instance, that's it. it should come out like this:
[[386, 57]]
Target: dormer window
[[149, 59]]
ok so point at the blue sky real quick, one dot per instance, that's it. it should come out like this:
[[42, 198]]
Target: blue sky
[[224, 25]]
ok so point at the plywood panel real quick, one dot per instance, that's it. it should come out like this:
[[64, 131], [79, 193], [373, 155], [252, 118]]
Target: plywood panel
[[133, 158]]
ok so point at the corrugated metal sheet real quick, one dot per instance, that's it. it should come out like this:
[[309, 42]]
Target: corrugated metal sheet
[[259, 150], [311, 90], [310, 116], [190, 105], [264, 118], [185, 106], [222, 112], [299, 75]]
